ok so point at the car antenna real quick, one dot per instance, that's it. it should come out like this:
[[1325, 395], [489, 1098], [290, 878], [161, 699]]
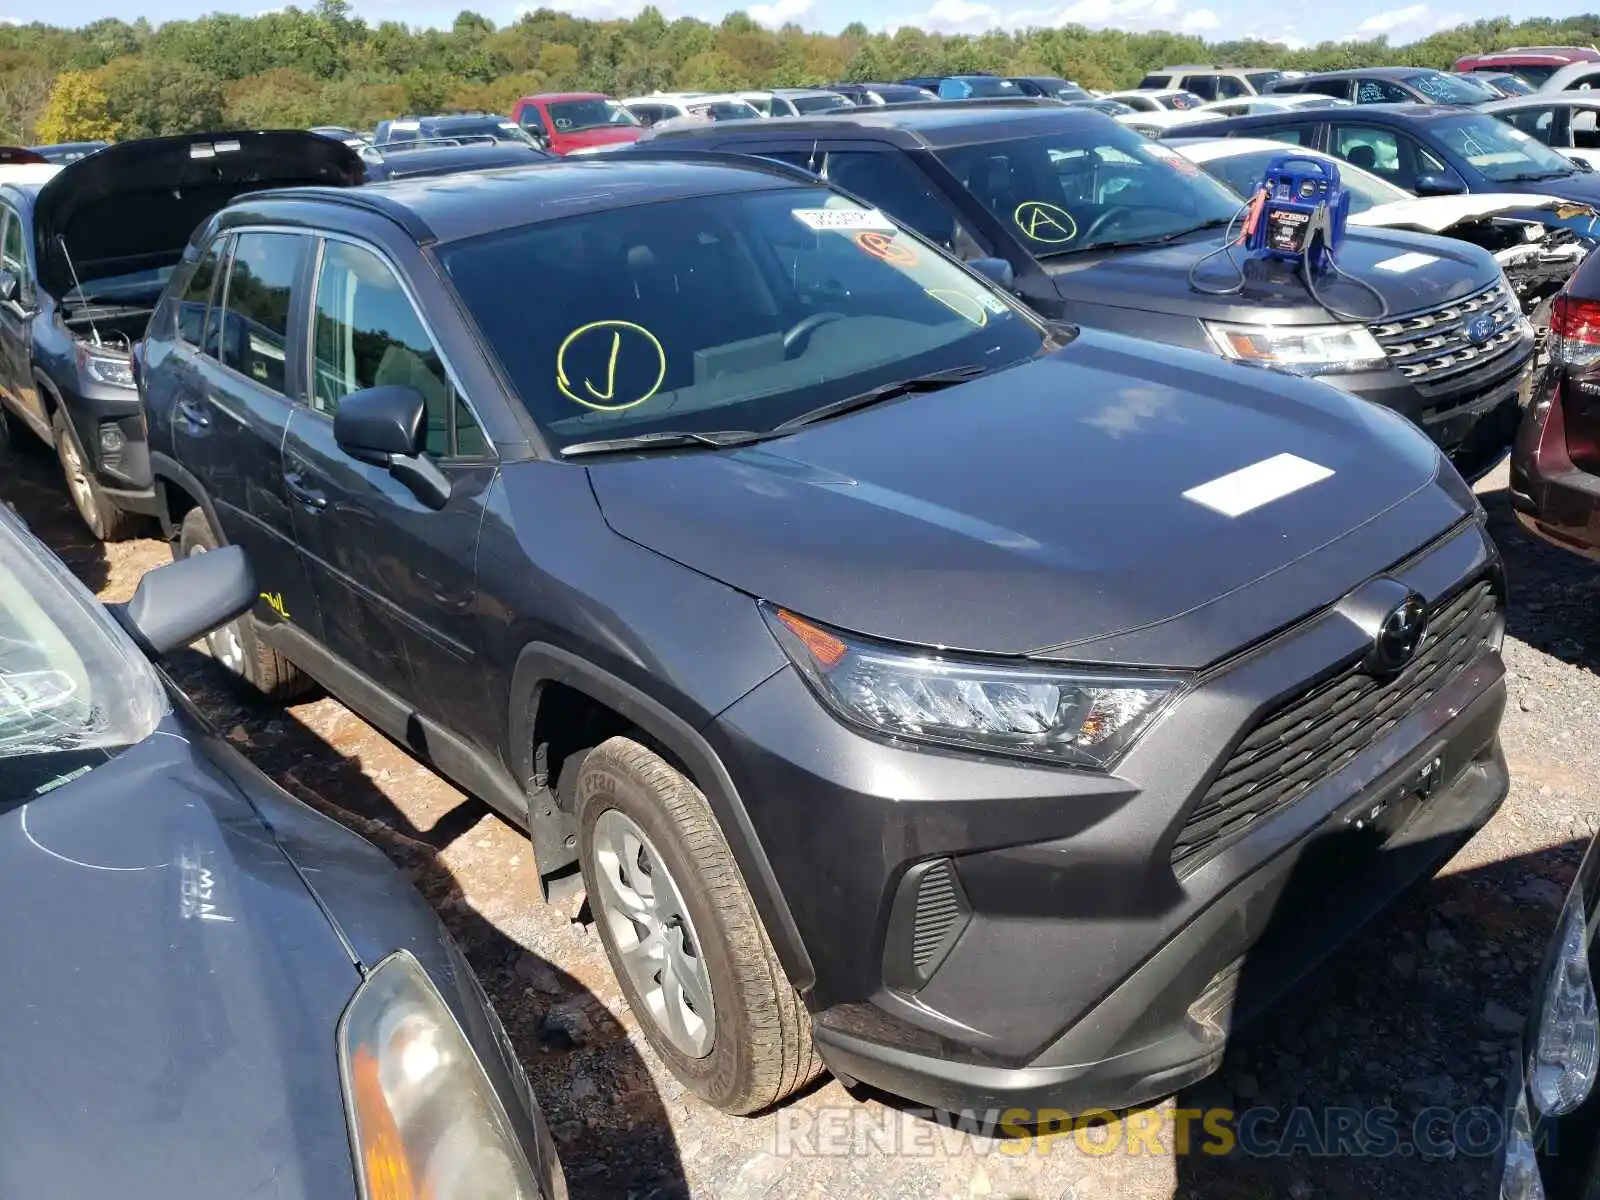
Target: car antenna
[[61, 240]]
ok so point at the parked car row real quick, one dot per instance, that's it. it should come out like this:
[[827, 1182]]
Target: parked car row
[[1189, 657]]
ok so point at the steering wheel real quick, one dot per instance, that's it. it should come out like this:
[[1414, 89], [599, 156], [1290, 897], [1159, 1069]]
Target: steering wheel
[[795, 339], [1107, 216]]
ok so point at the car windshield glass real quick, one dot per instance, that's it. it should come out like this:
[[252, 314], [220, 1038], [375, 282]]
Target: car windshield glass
[[728, 312], [1181, 101], [1243, 172], [979, 85], [1111, 108], [1260, 79], [1510, 85], [1500, 151], [1534, 76], [722, 110], [74, 690], [1089, 184], [498, 128], [816, 104], [1450, 89], [570, 116]]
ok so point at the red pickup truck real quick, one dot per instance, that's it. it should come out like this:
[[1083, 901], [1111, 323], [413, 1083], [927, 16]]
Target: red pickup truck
[[568, 121]]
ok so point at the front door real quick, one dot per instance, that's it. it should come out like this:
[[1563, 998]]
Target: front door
[[229, 430], [395, 580]]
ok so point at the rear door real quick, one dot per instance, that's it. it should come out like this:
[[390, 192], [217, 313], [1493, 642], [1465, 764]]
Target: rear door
[[244, 392], [395, 580], [16, 323]]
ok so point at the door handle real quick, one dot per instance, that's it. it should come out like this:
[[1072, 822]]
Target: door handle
[[191, 413], [308, 496]]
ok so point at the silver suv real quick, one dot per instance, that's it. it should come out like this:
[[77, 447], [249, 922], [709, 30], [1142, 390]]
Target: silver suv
[[1213, 83]]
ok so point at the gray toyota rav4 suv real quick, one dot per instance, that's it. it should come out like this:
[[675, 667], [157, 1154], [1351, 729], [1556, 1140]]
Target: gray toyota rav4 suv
[[1000, 709]]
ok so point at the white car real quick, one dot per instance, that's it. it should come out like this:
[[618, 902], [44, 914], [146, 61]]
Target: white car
[[701, 106], [1157, 99], [28, 173], [1536, 257], [1162, 121], [1567, 122], [794, 102], [1254, 106]]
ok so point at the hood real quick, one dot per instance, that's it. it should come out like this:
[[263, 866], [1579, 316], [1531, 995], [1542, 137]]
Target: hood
[[1156, 278], [1041, 510], [1582, 186], [1437, 214], [604, 135], [172, 991], [133, 206]]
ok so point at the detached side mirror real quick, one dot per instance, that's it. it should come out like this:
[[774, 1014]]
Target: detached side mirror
[[183, 601], [1440, 185], [10, 287], [388, 427], [997, 271], [1583, 164]]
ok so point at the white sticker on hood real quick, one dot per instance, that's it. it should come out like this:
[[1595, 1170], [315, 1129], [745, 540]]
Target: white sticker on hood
[[843, 218], [1410, 261], [1260, 483]]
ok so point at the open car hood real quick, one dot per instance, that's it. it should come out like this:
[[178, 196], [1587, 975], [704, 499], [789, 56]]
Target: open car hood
[[133, 207], [1437, 214]]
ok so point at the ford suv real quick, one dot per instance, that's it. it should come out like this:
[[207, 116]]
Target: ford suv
[[958, 699]]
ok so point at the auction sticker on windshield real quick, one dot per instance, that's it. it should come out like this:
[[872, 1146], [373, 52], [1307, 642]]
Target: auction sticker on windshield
[[851, 219], [1248, 488]]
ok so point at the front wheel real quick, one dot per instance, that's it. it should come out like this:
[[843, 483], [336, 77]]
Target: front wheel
[[682, 933], [105, 520]]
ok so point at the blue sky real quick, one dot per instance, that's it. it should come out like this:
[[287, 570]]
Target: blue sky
[[1296, 22]]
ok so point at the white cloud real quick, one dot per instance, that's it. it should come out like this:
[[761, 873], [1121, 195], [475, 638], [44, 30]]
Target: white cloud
[[779, 12], [1200, 19], [1406, 24], [974, 16]]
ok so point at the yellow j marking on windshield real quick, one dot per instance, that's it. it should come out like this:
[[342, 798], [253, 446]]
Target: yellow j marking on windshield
[[632, 349], [1043, 222]]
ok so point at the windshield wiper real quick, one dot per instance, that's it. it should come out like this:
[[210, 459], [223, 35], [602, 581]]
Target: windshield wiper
[[1159, 239], [930, 382], [666, 439], [1536, 176]]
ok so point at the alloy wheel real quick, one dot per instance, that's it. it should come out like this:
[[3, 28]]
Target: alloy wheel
[[224, 642]]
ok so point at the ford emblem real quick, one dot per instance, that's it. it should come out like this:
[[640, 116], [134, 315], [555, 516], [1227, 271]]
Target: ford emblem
[[1480, 329]]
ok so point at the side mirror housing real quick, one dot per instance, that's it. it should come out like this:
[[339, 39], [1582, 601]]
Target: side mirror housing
[[388, 427], [1583, 164], [1440, 185], [182, 601], [996, 270]]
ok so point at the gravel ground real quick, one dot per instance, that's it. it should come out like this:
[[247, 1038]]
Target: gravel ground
[[1420, 1011]]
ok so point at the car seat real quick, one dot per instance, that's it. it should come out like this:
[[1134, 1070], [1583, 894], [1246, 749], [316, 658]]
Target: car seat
[[1363, 156]]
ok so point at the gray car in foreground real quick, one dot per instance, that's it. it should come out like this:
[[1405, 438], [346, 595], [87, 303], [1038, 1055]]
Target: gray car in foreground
[[207, 984]]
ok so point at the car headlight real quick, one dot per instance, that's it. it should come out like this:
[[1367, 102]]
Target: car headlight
[[1566, 1050], [1299, 349], [424, 1119], [113, 369], [1083, 718]]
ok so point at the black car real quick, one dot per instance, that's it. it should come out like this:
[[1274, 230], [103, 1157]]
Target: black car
[[1551, 1148], [451, 127], [83, 258], [1051, 87], [1502, 83], [205, 979], [1390, 85], [65, 152], [1430, 149], [915, 682], [879, 94], [406, 160], [1099, 226]]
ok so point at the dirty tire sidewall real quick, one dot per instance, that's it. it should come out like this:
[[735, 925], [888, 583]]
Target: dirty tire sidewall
[[762, 1050]]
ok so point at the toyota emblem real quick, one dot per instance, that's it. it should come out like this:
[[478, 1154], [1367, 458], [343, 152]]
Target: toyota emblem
[[1399, 636]]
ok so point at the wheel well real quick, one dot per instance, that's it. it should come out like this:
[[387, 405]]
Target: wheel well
[[176, 502], [568, 721]]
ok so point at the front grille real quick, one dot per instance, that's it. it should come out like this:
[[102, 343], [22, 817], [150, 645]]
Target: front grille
[[1317, 732], [1430, 346]]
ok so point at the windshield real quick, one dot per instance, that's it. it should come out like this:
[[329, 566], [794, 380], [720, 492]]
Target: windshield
[[1243, 172], [1450, 89], [1111, 108], [816, 104], [727, 312], [722, 110], [73, 689], [1087, 185], [1534, 76], [1260, 79], [569, 116], [1508, 85], [1181, 101], [1502, 152], [980, 85]]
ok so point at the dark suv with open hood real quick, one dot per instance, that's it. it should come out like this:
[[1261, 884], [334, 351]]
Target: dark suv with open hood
[[1100, 226], [83, 257], [1009, 708]]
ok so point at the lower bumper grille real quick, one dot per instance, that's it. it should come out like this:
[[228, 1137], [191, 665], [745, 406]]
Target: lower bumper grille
[[1319, 731]]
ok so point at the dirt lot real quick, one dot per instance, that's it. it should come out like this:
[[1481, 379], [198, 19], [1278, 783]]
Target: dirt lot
[[1419, 1014]]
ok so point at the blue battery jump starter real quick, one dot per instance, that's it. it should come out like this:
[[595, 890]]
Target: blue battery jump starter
[[1298, 214]]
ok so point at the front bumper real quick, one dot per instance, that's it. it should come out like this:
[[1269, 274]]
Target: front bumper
[[1085, 966], [122, 468], [1552, 497]]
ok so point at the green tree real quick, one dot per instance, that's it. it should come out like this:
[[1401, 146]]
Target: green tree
[[147, 97], [78, 110], [281, 98]]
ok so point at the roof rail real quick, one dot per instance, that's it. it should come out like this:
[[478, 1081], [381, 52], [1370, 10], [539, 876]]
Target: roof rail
[[723, 158], [434, 143], [366, 198]]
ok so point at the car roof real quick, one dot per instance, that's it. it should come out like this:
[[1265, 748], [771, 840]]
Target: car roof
[[1588, 99], [1208, 149], [1367, 113], [1148, 92], [1191, 67], [1374, 73], [447, 208], [934, 123], [557, 97], [802, 92]]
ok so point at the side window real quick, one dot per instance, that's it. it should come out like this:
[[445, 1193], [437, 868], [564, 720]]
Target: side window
[[196, 296], [1585, 83], [782, 107], [1537, 122], [254, 330], [14, 256], [1204, 86], [533, 119], [1155, 81], [1339, 89], [1585, 128], [895, 186], [1371, 149], [1228, 87], [367, 334], [1380, 91], [1427, 162], [1295, 135]]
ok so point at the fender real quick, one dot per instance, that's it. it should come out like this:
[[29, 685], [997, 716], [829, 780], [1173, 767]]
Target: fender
[[541, 663], [167, 469]]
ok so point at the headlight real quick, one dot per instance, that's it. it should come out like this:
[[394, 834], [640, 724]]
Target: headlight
[[1068, 716], [1299, 349], [424, 1119], [113, 369], [1561, 1066]]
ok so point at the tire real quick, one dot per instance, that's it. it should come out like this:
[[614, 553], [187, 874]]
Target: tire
[[105, 520], [756, 1047], [237, 646]]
